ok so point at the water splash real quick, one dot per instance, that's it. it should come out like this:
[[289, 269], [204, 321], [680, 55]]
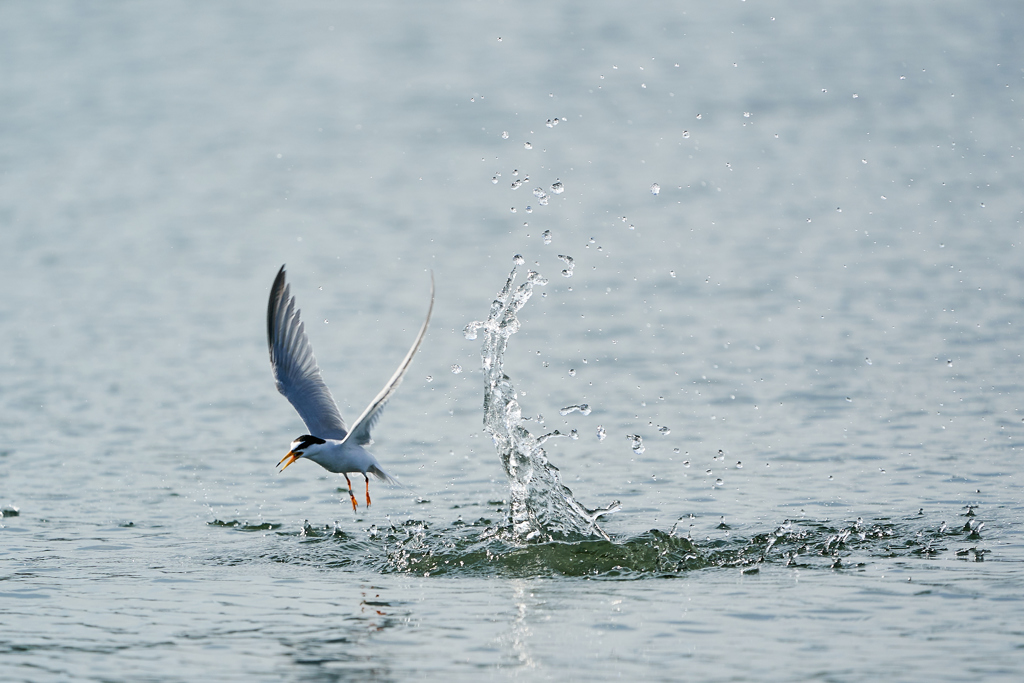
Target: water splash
[[467, 548], [540, 507]]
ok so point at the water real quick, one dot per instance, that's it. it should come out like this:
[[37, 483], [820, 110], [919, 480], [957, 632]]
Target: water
[[863, 364]]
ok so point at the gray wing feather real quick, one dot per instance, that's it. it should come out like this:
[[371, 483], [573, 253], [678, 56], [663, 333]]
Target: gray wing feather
[[361, 429], [295, 370]]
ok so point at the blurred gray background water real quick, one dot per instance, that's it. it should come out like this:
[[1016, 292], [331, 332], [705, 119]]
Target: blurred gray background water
[[827, 289]]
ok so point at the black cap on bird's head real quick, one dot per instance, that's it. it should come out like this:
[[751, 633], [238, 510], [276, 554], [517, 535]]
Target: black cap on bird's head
[[298, 449]]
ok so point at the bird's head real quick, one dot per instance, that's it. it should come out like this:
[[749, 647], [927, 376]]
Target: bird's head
[[302, 447]]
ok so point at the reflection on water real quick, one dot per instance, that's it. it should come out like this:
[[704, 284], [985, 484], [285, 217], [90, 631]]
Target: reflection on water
[[518, 638]]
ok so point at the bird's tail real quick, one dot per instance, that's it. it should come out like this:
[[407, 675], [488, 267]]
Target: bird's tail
[[384, 476]]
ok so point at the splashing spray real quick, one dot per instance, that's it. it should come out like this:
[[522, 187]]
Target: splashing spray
[[540, 507]]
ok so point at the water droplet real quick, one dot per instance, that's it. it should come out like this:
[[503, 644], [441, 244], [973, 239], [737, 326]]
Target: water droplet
[[839, 210], [569, 263], [504, 135], [494, 180], [574, 435], [456, 369], [707, 472], [547, 236], [572, 373], [868, 361], [637, 443], [518, 258], [557, 187], [601, 433], [698, 116], [430, 378], [721, 456], [672, 273], [849, 400], [676, 451], [529, 209], [824, 90], [746, 114], [686, 463], [949, 363], [583, 408], [665, 431], [517, 183], [718, 482], [527, 145], [655, 189], [686, 133], [513, 209]]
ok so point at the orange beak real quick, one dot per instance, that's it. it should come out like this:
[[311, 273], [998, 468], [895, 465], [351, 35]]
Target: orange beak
[[291, 457]]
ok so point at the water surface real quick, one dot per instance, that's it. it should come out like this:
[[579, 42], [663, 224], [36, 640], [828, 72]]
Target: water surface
[[822, 304]]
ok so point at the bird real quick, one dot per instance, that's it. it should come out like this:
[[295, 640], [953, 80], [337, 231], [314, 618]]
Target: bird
[[329, 443]]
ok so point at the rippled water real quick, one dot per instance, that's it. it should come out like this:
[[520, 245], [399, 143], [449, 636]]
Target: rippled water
[[782, 252]]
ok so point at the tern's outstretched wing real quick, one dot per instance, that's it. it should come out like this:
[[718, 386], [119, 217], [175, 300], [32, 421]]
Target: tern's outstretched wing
[[295, 369], [361, 429]]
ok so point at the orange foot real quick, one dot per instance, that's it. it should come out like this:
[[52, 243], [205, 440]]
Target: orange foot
[[351, 495]]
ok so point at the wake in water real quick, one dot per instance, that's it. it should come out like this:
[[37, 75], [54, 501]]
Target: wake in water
[[545, 531], [540, 507]]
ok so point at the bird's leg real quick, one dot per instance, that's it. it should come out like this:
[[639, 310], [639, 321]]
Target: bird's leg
[[350, 494], [367, 489]]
